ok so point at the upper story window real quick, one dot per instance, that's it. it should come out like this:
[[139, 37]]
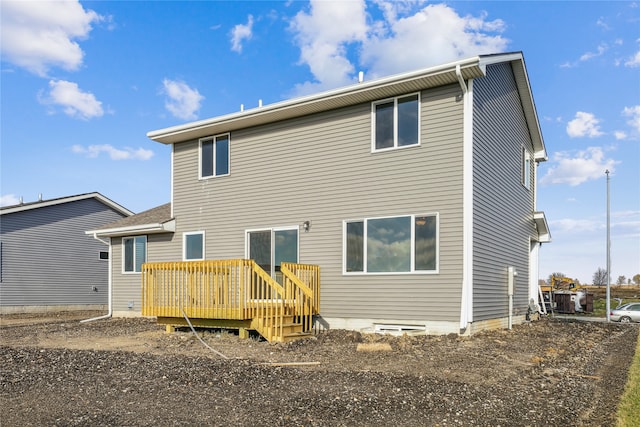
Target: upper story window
[[193, 246], [135, 253], [396, 122], [526, 168], [214, 156], [403, 244]]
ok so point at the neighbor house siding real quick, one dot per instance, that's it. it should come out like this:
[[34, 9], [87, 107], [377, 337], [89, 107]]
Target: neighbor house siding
[[502, 206], [320, 168], [48, 260]]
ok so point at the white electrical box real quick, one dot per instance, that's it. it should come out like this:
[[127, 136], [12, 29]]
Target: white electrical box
[[511, 278]]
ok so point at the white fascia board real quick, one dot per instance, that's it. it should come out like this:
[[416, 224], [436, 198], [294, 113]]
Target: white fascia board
[[165, 227], [544, 234]]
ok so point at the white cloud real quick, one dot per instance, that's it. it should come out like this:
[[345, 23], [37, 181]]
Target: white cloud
[[634, 114], [442, 35], [182, 101], [241, 32], [9, 200], [602, 48], [601, 22], [323, 36], [634, 61], [584, 124], [330, 30], [74, 102], [40, 35], [571, 225], [575, 169], [127, 153], [620, 135]]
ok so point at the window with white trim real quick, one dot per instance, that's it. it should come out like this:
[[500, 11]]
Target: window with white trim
[[214, 156], [396, 122], [134, 253], [526, 168], [193, 246], [402, 244]]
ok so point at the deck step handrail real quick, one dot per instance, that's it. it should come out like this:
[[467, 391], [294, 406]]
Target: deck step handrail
[[236, 289], [299, 296], [309, 275]]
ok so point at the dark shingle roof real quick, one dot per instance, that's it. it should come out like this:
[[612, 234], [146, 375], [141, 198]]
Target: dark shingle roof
[[157, 215]]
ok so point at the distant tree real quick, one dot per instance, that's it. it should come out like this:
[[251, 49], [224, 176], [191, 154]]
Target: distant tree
[[556, 274], [636, 279], [621, 280], [600, 277]]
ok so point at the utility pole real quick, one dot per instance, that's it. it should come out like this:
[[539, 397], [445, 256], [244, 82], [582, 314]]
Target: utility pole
[[608, 250]]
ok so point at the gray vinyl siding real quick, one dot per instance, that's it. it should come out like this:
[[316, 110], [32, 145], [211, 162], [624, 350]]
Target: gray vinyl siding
[[320, 168], [127, 287], [502, 206], [48, 260]]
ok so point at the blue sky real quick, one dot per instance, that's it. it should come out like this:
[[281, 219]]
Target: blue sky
[[82, 84]]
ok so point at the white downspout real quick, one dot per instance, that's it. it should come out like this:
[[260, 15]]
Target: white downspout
[[461, 79], [511, 277], [109, 284], [466, 302]]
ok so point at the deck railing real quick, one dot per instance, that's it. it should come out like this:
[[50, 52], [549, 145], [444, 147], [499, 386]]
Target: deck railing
[[237, 289]]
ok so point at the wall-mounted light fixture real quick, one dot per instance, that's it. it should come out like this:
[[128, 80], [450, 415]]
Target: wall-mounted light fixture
[[306, 226]]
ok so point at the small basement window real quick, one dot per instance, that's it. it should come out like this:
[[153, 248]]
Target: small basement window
[[104, 255]]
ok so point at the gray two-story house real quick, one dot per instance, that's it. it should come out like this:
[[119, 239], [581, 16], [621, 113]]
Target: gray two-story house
[[414, 194], [47, 262]]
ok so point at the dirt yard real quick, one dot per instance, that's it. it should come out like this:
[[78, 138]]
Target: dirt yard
[[56, 371]]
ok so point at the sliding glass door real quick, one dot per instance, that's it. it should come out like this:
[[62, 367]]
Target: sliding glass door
[[271, 247]]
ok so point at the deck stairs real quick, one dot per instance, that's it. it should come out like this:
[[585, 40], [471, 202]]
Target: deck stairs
[[284, 329]]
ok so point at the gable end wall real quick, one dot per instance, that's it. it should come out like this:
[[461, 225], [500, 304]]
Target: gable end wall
[[503, 207]]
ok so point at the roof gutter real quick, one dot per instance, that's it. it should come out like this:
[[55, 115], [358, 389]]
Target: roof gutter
[[296, 107], [164, 227], [109, 284]]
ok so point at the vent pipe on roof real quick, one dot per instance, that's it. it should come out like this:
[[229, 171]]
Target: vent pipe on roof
[[259, 103], [40, 197], [360, 77], [241, 107], [21, 200]]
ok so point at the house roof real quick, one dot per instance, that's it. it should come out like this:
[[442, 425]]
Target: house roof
[[60, 200], [469, 68], [155, 220], [540, 220]]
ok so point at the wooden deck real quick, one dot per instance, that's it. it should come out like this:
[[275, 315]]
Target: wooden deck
[[235, 293]]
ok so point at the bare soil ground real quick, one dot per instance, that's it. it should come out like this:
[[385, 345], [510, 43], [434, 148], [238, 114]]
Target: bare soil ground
[[57, 371]]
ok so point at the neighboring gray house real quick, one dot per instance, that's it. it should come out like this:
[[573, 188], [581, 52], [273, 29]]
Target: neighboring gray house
[[415, 194], [47, 262]]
